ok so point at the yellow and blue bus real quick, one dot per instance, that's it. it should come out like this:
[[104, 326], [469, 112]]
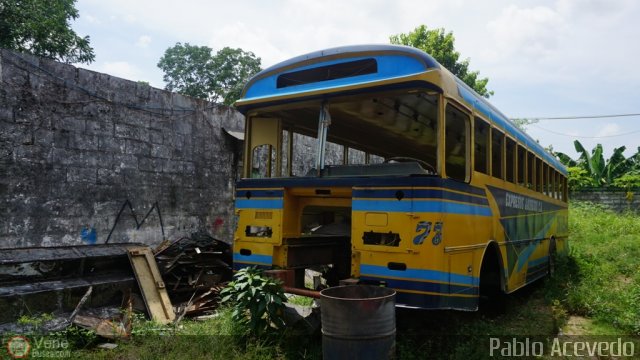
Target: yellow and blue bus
[[374, 164]]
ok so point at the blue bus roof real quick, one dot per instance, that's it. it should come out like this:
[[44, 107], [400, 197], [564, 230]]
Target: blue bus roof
[[393, 61]]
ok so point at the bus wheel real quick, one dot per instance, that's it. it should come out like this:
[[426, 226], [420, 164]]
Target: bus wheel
[[492, 298], [552, 257]]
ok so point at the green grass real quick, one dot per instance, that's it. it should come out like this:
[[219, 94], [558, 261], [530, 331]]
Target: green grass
[[603, 272], [597, 285], [217, 338]]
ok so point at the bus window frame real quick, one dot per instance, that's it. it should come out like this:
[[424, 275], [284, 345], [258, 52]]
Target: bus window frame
[[509, 140], [487, 158], [521, 173], [501, 156], [531, 170], [539, 175], [443, 138]]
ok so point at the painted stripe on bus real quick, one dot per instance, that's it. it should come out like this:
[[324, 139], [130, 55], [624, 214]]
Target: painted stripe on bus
[[436, 301], [259, 203], [424, 286], [418, 274], [253, 258], [361, 182], [434, 206], [419, 194], [259, 193]]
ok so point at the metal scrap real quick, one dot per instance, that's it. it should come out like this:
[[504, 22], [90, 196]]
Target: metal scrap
[[151, 285], [193, 268]]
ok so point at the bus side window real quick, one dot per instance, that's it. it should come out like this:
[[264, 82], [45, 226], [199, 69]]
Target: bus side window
[[265, 147], [481, 145], [531, 165], [510, 160], [456, 140], [539, 175], [565, 190], [263, 165], [522, 166], [546, 179], [553, 182], [497, 152]]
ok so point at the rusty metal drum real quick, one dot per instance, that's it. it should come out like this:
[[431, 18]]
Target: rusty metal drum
[[358, 322]]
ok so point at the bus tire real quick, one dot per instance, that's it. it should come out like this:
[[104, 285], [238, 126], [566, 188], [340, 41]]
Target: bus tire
[[492, 298], [552, 257]]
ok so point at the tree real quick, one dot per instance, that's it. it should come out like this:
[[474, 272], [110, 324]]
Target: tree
[[522, 123], [440, 45], [42, 28], [195, 71], [187, 70], [601, 172]]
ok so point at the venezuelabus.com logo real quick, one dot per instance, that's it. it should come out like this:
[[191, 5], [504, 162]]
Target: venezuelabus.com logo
[[18, 347]]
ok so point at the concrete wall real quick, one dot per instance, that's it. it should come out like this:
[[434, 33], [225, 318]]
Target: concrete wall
[[616, 200], [76, 144]]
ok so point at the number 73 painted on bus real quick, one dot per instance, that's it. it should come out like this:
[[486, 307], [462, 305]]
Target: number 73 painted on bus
[[374, 164]]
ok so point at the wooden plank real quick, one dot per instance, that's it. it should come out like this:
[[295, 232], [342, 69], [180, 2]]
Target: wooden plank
[[151, 285], [102, 327]]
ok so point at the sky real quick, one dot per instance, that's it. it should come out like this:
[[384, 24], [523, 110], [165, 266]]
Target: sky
[[546, 58]]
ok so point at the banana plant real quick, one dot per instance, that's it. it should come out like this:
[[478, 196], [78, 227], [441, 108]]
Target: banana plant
[[601, 172]]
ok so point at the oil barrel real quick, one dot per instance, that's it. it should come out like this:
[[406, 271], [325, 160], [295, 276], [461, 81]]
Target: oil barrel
[[358, 322]]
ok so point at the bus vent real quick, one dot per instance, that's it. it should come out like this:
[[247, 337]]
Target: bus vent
[[264, 215], [329, 72]]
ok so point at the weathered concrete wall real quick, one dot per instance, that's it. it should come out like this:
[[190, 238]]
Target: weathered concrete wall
[[616, 200], [76, 144]]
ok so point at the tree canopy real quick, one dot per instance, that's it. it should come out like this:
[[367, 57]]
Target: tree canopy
[[42, 28], [440, 44], [195, 71]]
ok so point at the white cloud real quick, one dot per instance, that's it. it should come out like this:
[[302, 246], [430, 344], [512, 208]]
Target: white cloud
[[143, 41], [129, 18], [529, 32], [610, 129]]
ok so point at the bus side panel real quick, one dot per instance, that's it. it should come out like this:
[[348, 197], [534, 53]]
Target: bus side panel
[[529, 223], [428, 220]]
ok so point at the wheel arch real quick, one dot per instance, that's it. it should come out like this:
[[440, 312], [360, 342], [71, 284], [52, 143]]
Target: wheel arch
[[493, 250]]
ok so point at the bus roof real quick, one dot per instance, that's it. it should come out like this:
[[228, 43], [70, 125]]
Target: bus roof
[[392, 62]]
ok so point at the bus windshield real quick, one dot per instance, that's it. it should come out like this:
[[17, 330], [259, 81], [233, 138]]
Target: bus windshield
[[376, 134]]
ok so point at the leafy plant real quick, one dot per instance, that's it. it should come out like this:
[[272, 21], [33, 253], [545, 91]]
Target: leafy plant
[[43, 28], [300, 300], [578, 178], [257, 300], [628, 181], [35, 323], [601, 172], [77, 337]]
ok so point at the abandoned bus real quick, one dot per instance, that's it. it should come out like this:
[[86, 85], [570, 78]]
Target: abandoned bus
[[374, 164]]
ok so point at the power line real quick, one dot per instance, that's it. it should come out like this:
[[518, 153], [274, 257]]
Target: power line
[[577, 117], [585, 137]]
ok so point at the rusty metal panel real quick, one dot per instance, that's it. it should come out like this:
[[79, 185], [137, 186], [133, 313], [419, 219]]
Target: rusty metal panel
[[151, 284]]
